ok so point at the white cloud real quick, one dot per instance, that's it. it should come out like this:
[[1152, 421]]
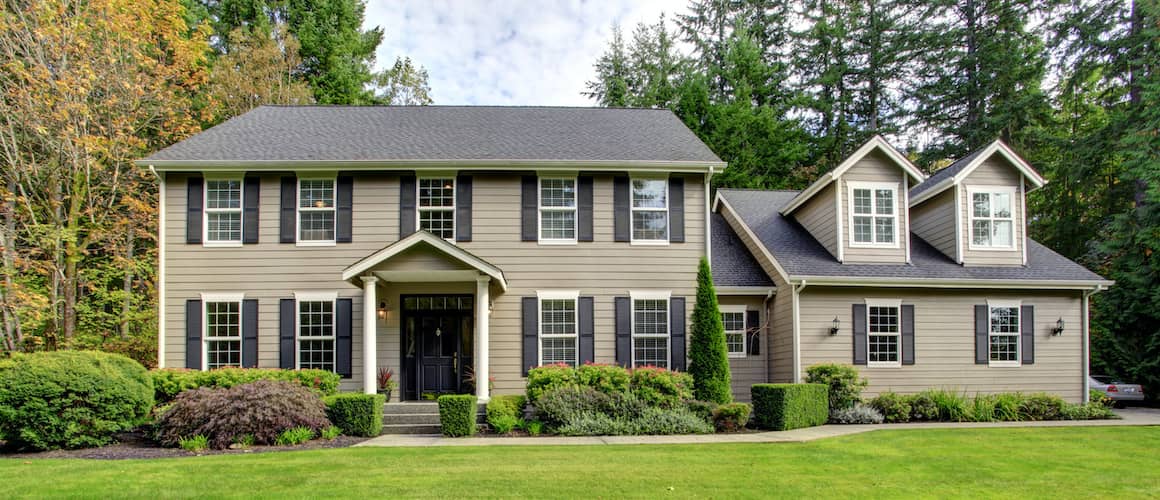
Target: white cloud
[[506, 52]]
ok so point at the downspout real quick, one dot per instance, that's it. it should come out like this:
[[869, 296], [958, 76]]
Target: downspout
[[160, 267], [1085, 368], [768, 331], [797, 332], [708, 225]]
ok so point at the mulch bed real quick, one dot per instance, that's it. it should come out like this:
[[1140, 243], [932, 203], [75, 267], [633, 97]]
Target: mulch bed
[[135, 445]]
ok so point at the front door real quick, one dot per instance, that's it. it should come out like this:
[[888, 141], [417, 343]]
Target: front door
[[436, 345], [439, 358]]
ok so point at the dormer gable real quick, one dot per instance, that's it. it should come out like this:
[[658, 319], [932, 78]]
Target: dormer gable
[[858, 210], [974, 210]]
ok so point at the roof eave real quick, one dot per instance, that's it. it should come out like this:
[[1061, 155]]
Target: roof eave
[[951, 283], [746, 290], [876, 142], [464, 164]]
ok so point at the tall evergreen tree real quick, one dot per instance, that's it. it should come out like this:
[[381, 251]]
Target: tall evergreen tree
[[610, 88], [708, 354]]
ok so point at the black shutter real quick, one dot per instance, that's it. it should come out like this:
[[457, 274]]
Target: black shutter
[[1027, 334], [530, 314], [908, 334], [407, 195], [587, 331], [251, 193], [250, 333], [677, 209], [342, 343], [193, 334], [621, 225], [677, 333], [584, 208], [529, 208], [982, 326], [286, 334], [287, 232], [463, 208], [859, 334], [753, 331], [623, 313], [344, 208], [194, 200]]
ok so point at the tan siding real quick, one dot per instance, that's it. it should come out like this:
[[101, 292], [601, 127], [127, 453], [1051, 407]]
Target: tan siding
[[944, 341], [819, 217], [934, 222], [748, 370], [269, 271], [993, 173], [874, 167]]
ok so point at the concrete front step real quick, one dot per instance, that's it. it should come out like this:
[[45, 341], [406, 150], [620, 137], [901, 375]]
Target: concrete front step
[[411, 418], [417, 407], [411, 429], [417, 418]]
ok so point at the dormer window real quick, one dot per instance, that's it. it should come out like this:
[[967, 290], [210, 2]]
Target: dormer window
[[992, 217], [873, 214]]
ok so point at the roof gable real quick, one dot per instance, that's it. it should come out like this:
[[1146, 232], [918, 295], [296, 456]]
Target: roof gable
[[876, 143], [418, 239], [955, 173]]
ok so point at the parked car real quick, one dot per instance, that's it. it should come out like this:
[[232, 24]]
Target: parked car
[[1119, 391]]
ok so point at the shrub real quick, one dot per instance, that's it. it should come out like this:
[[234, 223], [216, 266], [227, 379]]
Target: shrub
[[534, 427], [952, 406], [544, 378], [703, 409], [894, 407], [922, 407], [1100, 398], [194, 444], [857, 414], [560, 405], [844, 383], [1041, 407], [982, 408], [1088, 411], [70, 399], [247, 440], [330, 433], [457, 414], [609, 379], [504, 412], [1007, 406], [660, 387], [356, 414], [294, 436], [667, 421], [708, 355], [790, 406], [591, 423], [622, 405], [503, 424], [173, 381], [264, 409], [731, 417]]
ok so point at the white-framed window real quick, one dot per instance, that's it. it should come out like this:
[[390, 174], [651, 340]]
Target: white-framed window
[[222, 330], [650, 328], [223, 212], [436, 208], [557, 210], [1003, 333], [873, 214], [559, 342], [316, 330], [992, 217], [883, 333], [316, 211], [733, 317], [650, 211]]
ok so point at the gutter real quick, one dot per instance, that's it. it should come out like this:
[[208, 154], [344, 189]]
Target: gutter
[[160, 267], [422, 165], [955, 283]]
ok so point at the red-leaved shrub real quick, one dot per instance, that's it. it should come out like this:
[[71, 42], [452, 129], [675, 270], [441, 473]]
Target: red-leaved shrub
[[262, 409]]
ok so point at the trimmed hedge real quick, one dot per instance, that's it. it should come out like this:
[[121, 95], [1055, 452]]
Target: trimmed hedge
[[356, 414], [783, 407], [170, 382], [502, 411], [457, 414], [844, 383], [70, 399], [259, 411]]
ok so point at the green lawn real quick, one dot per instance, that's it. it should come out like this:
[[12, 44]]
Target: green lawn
[[1107, 462]]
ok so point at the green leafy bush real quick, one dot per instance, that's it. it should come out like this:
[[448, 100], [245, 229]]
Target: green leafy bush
[[544, 378], [1088, 411], [1100, 398], [708, 355], [982, 408], [356, 414], [264, 409], [170, 382], [1007, 406], [244, 441], [668, 421], [922, 407], [294, 436], [503, 424], [731, 417], [703, 409], [609, 379], [504, 412], [560, 405], [330, 433], [661, 387], [623, 405], [534, 427], [593, 423], [952, 406], [895, 408], [70, 399], [790, 406], [194, 444], [1041, 406], [844, 383], [457, 414], [857, 414]]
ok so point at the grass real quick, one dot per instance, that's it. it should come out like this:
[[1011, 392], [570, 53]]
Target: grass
[[1106, 462]]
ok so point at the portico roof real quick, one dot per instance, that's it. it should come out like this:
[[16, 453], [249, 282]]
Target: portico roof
[[471, 265]]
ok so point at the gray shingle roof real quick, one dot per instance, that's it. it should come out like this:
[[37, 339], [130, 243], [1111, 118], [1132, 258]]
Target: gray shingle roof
[[946, 172], [399, 133], [801, 255], [733, 265]]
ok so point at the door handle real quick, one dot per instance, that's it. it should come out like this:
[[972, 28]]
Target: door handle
[[455, 361]]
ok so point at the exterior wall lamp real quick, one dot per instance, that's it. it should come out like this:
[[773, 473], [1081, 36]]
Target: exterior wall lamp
[[1058, 330], [383, 310], [837, 325]]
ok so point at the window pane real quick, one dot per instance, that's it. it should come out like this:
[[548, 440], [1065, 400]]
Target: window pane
[[649, 193], [651, 317], [1004, 320], [222, 319], [982, 202], [316, 319], [557, 193], [884, 201], [735, 342], [1001, 205], [883, 319], [1004, 348], [558, 317], [1001, 235], [557, 224], [651, 351], [883, 348], [223, 226], [436, 193], [223, 194], [558, 350], [862, 230], [316, 354], [733, 321], [223, 353], [650, 225], [884, 229], [316, 193], [441, 223], [981, 232], [316, 226], [862, 204]]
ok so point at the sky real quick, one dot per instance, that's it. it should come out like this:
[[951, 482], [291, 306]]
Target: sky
[[510, 52]]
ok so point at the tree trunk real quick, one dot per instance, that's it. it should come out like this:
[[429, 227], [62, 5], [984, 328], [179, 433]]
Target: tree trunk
[[127, 301]]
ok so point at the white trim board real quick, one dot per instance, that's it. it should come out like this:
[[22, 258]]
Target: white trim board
[[999, 147]]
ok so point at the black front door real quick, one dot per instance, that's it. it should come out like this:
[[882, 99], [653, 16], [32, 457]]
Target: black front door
[[439, 358], [436, 345]]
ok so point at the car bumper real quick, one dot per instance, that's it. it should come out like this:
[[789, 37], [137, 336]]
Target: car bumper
[[1124, 396]]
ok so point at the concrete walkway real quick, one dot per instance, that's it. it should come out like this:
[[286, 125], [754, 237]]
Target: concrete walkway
[[1133, 416]]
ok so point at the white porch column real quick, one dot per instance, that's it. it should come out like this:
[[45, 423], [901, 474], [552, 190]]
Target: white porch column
[[370, 334], [482, 307]]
